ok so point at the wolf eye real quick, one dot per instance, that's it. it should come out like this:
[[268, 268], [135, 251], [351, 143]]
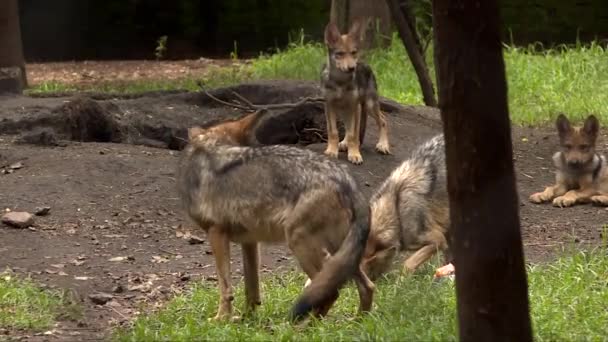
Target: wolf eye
[[584, 147], [340, 54], [568, 146], [354, 52]]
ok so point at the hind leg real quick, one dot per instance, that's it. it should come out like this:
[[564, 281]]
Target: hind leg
[[366, 288], [373, 108], [251, 262], [419, 257], [310, 257], [220, 245]]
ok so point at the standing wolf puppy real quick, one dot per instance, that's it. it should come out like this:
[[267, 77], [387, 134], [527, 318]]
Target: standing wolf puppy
[[581, 173], [275, 194], [410, 212], [350, 90]]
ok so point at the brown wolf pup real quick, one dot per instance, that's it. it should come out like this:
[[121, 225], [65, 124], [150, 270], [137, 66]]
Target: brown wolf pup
[[581, 173], [410, 212], [350, 90], [275, 194]]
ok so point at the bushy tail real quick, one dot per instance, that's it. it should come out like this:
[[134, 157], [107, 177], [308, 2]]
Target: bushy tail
[[337, 270]]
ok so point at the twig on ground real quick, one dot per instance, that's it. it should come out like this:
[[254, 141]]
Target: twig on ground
[[249, 106]]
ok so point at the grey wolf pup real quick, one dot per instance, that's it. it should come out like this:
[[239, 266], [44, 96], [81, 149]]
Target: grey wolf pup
[[410, 212], [350, 90], [581, 174], [275, 194]]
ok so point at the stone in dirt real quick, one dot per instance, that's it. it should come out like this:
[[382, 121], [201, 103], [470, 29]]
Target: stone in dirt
[[195, 240], [42, 211], [18, 219], [100, 298]]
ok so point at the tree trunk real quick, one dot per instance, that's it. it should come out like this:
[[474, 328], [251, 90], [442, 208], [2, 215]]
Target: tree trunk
[[413, 51], [339, 14], [378, 20], [491, 284], [12, 64], [378, 31]]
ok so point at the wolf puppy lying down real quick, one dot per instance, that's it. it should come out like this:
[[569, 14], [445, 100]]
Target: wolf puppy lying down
[[275, 194], [581, 174], [350, 91]]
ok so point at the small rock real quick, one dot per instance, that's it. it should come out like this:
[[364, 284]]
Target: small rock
[[185, 277], [100, 298], [16, 166], [118, 289], [42, 211], [195, 240], [18, 219]]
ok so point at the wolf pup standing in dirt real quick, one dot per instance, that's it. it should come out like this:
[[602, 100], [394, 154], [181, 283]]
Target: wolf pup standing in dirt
[[581, 173], [350, 90], [410, 212], [275, 194]]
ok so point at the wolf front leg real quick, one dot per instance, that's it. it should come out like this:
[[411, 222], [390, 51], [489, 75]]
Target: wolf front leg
[[220, 245], [549, 193], [332, 131], [352, 123]]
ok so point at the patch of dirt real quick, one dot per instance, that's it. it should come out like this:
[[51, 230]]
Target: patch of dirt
[[95, 72], [106, 168]]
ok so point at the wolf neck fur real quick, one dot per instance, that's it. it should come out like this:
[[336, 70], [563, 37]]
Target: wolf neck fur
[[337, 76]]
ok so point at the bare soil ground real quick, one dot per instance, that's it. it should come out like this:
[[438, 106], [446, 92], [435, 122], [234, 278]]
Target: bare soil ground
[[84, 73], [106, 167]]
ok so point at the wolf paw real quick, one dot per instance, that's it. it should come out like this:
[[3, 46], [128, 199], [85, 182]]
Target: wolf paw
[[355, 158], [538, 198], [383, 148], [332, 153], [600, 200], [225, 318], [563, 201]]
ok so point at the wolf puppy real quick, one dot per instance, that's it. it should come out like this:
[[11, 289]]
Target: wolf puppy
[[581, 173], [350, 90], [410, 212], [275, 194]]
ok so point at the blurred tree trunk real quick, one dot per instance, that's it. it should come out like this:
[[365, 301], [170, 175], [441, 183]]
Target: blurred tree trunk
[[12, 64], [413, 48], [491, 284], [376, 13]]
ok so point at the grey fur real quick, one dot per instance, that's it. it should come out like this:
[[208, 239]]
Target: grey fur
[[410, 211]]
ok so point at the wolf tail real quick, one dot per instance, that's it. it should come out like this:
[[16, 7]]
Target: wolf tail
[[337, 270]]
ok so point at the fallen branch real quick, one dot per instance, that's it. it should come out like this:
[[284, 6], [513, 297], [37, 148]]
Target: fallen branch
[[247, 105]]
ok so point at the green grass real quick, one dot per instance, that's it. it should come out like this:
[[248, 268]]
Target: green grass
[[25, 306], [541, 82], [568, 298]]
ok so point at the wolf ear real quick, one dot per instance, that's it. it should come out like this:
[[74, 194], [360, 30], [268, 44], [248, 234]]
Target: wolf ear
[[591, 126], [356, 29], [563, 125], [194, 132], [332, 34]]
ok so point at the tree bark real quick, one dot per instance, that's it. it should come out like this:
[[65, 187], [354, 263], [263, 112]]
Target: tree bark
[[378, 31], [428, 93], [491, 284], [12, 64], [339, 14]]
